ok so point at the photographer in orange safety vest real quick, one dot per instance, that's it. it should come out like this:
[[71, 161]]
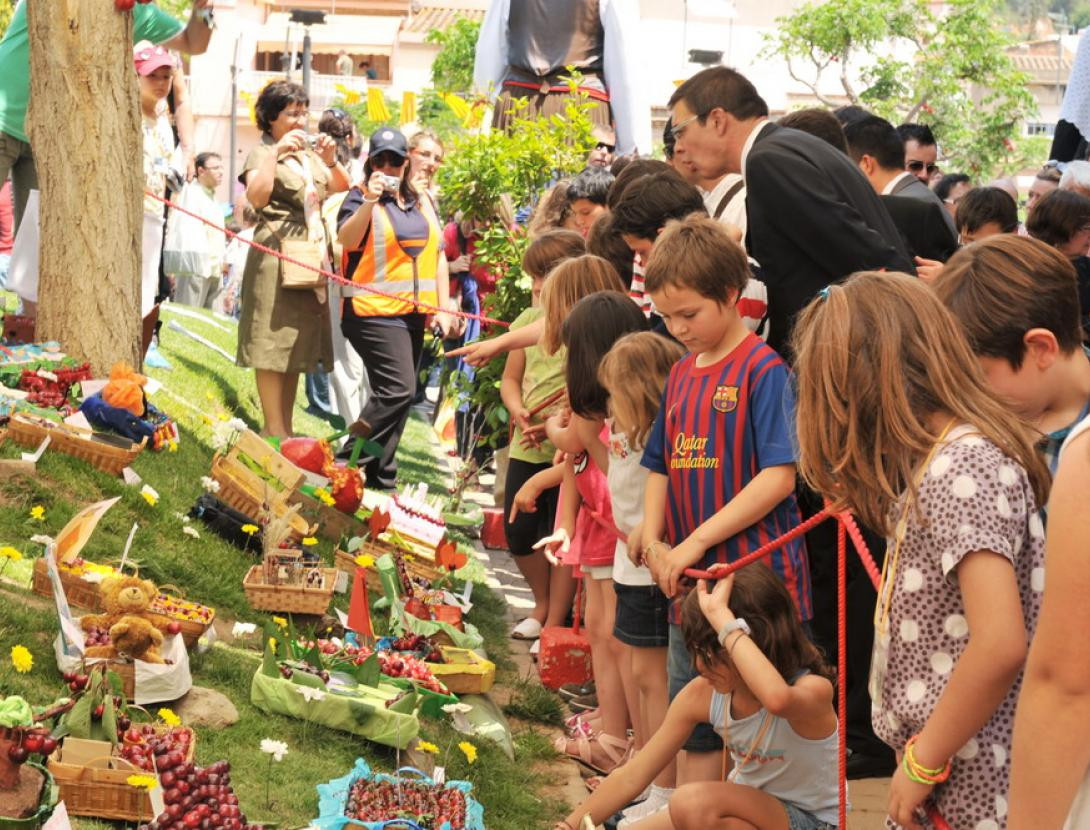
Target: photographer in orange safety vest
[[392, 242]]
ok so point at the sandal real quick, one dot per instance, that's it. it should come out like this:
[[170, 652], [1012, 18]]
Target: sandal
[[527, 629], [581, 724], [614, 749]]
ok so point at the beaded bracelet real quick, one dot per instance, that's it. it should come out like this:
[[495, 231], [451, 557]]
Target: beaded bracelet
[[921, 774]]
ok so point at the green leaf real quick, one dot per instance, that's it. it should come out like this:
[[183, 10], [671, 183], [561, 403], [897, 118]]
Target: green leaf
[[368, 672], [78, 719], [108, 721], [268, 662]]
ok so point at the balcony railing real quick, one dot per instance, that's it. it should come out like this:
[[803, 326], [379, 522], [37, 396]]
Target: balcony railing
[[323, 88]]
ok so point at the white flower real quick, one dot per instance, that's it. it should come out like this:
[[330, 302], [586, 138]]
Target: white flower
[[277, 749], [237, 424], [41, 539], [309, 693], [458, 712], [191, 531], [209, 484], [457, 708], [181, 517], [241, 629]]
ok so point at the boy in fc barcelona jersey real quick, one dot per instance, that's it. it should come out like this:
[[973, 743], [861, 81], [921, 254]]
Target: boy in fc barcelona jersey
[[722, 450]]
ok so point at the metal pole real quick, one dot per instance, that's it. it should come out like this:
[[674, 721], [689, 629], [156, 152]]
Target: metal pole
[[234, 121], [306, 59], [1059, 65]]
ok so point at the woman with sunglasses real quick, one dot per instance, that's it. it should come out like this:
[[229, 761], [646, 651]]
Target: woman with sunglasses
[[284, 332], [392, 240]]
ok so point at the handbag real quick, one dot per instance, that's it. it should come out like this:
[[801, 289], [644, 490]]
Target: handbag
[[306, 277]]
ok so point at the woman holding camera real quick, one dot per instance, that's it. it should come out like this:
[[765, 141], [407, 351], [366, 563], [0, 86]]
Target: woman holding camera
[[392, 244], [284, 327]]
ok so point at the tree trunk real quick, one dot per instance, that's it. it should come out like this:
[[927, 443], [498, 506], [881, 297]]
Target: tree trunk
[[84, 126]]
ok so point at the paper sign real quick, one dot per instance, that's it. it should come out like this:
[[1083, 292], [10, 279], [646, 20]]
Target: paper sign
[[59, 819], [93, 386], [150, 388], [439, 775], [82, 752], [125, 553], [130, 476], [158, 805], [34, 456], [79, 420], [74, 536]]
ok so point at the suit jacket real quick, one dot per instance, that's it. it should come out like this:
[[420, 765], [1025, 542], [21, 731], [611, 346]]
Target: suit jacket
[[814, 219], [911, 187], [922, 227]]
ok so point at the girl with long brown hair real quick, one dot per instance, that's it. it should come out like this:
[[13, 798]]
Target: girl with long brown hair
[[897, 424]]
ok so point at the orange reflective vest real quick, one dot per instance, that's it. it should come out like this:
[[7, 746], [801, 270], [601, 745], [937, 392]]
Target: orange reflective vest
[[403, 269]]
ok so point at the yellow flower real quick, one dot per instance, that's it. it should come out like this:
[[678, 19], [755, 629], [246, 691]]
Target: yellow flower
[[21, 659], [149, 497], [223, 416], [280, 621], [309, 541], [365, 560], [250, 529], [207, 420], [168, 717], [8, 552], [172, 446], [324, 497], [146, 782], [424, 746], [272, 643], [37, 512], [470, 751]]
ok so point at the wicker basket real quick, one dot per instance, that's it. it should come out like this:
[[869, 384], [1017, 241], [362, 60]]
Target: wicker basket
[[100, 789], [29, 431], [190, 630], [241, 489], [80, 593], [415, 565], [291, 599], [464, 672]]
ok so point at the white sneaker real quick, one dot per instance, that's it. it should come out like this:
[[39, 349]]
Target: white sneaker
[[656, 801]]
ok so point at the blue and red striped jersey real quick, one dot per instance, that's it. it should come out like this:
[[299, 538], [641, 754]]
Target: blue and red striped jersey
[[718, 426]]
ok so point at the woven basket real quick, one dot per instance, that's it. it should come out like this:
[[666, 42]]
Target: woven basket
[[244, 491], [80, 593], [100, 788], [415, 565], [291, 599], [29, 431], [190, 630]]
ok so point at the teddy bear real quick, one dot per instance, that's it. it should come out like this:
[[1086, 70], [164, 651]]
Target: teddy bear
[[135, 631]]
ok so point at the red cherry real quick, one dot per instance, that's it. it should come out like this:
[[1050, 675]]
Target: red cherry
[[191, 819], [32, 743], [173, 628], [49, 744], [17, 754]]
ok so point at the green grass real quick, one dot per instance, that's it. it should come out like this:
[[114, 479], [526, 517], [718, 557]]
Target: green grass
[[200, 391]]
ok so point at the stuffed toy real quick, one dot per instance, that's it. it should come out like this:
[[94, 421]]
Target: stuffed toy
[[122, 406], [125, 390], [135, 631]]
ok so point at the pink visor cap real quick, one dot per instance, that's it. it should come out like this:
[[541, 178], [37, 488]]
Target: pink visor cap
[[149, 57]]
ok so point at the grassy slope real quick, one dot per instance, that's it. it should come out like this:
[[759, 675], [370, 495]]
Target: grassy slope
[[200, 390]]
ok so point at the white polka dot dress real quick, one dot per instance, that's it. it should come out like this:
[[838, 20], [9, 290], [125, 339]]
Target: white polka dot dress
[[972, 497]]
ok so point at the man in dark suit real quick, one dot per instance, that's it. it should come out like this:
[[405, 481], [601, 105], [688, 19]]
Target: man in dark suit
[[923, 227], [873, 143], [813, 218]]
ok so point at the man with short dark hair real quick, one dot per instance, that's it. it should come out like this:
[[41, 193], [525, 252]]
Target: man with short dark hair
[[812, 217], [876, 147], [194, 252], [921, 151]]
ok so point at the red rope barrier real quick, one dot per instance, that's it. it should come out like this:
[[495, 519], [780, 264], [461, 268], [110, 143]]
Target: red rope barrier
[[842, 674], [431, 309]]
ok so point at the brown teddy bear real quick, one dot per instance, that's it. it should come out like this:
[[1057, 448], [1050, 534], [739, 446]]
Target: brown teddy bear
[[135, 631]]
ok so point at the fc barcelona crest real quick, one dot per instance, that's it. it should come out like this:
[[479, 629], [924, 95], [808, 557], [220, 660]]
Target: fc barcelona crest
[[725, 399]]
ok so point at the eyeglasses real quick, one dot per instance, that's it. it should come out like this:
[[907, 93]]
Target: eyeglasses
[[298, 113], [918, 166], [677, 129], [601, 145]]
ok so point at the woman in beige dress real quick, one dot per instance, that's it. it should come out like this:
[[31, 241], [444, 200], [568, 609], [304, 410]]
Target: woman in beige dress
[[283, 332]]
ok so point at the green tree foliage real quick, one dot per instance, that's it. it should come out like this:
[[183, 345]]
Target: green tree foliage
[[452, 70], [948, 70], [479, 174]]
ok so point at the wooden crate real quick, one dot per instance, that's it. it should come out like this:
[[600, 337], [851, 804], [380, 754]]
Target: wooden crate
[[80, 593], [251, 445], [29, 431], [332, 523], [290, 599], [243, 490]]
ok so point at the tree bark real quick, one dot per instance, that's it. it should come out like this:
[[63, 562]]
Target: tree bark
[[84, 126]]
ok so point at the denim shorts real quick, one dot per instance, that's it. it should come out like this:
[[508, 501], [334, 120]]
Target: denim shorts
[[679, 668], [641, 616], [799, 819]]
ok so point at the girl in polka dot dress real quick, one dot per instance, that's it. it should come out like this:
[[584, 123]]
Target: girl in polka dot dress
[[896, 422]]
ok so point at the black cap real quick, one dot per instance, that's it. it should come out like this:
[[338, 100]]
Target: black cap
[[388, 140]]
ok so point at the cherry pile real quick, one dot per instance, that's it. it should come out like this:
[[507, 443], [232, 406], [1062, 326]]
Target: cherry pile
[[148, 747], [199, 798], [392, 663], [427, 804], [96, 636], [29, 742]]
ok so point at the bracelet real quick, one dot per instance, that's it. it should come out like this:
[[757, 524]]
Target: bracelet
[[651, 547], [370, 201], [921, 774]]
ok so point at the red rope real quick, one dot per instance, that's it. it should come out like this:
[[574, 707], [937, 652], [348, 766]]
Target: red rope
[[328, 274], [842, 662]]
